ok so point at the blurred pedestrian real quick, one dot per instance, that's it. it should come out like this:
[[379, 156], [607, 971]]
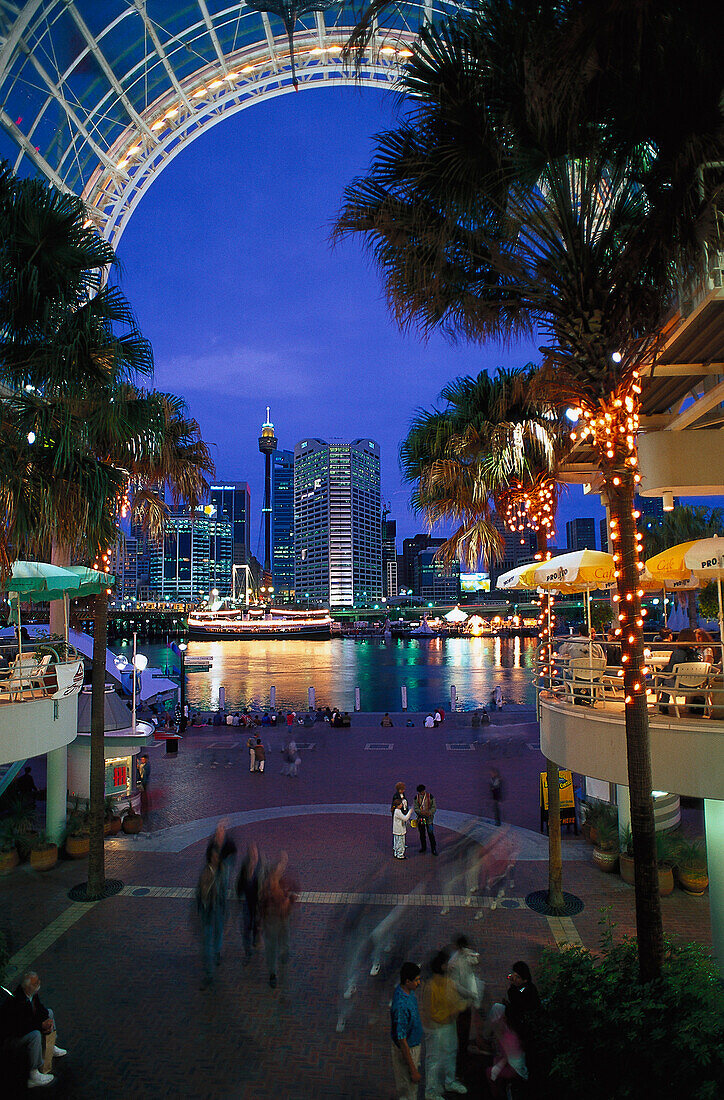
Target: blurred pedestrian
[[211, 913], [276, 899], [441, 1006], [510, 1064], [462, 969], [406, 1033], [399, 827], [248, 885], [496, 793], [425, 809], [224, 848], [251, 745]]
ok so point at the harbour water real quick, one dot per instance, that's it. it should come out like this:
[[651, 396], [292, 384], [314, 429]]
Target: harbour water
[[334, 668]]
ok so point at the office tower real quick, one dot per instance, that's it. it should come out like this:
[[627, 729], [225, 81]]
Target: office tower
[[283, 526], [581, 534], [410, 549], [124, 566], [193, 558], [267, 446], [233, 502], [604, 536], [389, 557], [337, 523], [438, 583]]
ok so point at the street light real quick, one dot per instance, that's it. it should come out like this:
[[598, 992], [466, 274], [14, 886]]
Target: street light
[[182, 647], [139, 663]]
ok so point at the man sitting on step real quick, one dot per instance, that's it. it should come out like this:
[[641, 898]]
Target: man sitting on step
[[25, 1021]]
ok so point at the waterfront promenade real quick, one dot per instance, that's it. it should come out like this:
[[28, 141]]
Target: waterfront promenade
[[123, 975]]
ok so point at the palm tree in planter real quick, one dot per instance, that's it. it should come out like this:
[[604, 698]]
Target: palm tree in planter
[[85, 432], [491, 448], [550, 177]]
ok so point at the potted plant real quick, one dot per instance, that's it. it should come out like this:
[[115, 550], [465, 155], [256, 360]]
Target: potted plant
[[22, 821], [43, 852], [605, 851], [111, 820], [592, 813], [625, 855], [665, 856], [132, 822], [9, 857], [77, 840], [691, 868]]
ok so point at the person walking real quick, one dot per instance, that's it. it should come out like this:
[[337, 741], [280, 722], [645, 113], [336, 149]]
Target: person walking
[[248, 885], [223, 847], [406, 1033], [425, 809], [400, 820], [496, 793], [208, 906], [461, 968], [441, 1006], [143, 778], [276, 899], [259, 754]]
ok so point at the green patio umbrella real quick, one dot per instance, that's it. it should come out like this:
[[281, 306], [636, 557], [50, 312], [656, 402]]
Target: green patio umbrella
[[34, 580]]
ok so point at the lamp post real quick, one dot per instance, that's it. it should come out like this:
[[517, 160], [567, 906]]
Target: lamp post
[[139, 663], [182, 647]]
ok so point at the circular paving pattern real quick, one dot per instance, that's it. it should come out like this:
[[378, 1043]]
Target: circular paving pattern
[[79, 893]]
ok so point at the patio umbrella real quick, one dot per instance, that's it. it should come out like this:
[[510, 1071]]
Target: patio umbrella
[[518, 577], [702, 560], [34, 580], [651, 583], [579, 571]]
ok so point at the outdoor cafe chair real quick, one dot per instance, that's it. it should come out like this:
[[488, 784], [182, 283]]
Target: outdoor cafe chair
[[686, 680], [584, 679]]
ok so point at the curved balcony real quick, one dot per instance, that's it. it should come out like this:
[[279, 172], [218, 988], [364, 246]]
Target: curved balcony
[[38, 704]]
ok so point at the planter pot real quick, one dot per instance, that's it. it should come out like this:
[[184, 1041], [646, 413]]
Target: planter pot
[[693, 881], [77, 846], [666, 881], [44, 859], [605, 861], [132, 823], [666, 875], [626, 867], [8, 860], [112, 827]]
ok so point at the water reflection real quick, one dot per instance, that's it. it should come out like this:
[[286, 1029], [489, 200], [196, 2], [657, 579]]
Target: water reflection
[[248, 669]]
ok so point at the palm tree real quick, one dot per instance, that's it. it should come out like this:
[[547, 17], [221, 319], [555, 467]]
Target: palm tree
[[82, 431], [549, 178], [492, 448], [684, 524]]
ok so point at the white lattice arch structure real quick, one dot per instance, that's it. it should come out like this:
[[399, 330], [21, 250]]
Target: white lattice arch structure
[[99, 96]]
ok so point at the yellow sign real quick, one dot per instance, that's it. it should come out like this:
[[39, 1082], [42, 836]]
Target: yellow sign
[[565, 786]]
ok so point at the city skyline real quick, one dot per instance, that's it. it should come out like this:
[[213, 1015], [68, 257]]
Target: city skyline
[[247, 304]]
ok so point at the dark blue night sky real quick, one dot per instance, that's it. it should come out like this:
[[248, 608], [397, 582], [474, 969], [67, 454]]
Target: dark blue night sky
[[228, 265]]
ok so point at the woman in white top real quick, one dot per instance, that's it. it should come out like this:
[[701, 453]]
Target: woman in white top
[[399, 827]]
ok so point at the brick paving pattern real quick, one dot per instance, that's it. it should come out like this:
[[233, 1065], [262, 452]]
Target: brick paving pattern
[[123, 975]]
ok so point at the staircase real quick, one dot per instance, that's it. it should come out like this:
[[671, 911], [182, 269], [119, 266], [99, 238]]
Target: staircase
[[8, 772]]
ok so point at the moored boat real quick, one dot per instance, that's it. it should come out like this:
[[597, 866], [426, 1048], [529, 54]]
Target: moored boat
[[273, 622]]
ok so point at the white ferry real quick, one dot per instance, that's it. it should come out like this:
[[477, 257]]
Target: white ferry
[[273, 622]]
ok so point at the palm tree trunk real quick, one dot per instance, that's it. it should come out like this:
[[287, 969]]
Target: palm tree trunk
[[649, 931], [59, 555], [96, 864], [555, 855], [693, 608]]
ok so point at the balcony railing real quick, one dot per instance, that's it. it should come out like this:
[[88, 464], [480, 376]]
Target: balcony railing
[[45, 671]]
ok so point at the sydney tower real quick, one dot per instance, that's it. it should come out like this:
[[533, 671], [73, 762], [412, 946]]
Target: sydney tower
[[267, 446]]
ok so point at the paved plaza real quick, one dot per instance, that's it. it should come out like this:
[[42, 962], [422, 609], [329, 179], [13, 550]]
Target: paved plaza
[[123, 975]]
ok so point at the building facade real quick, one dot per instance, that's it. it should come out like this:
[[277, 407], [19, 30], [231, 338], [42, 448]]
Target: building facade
[[233, 503], [437, 583], [124, 566], [389, 558], [408, 578], [337, 523], [581, 533], [283, 526], [193, 558]]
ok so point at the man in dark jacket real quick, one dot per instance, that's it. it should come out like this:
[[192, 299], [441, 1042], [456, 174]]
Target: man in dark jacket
[[25, 1020], [425, 808]]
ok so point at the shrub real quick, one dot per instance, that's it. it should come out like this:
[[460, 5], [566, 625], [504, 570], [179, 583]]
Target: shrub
[[606, 1036]]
